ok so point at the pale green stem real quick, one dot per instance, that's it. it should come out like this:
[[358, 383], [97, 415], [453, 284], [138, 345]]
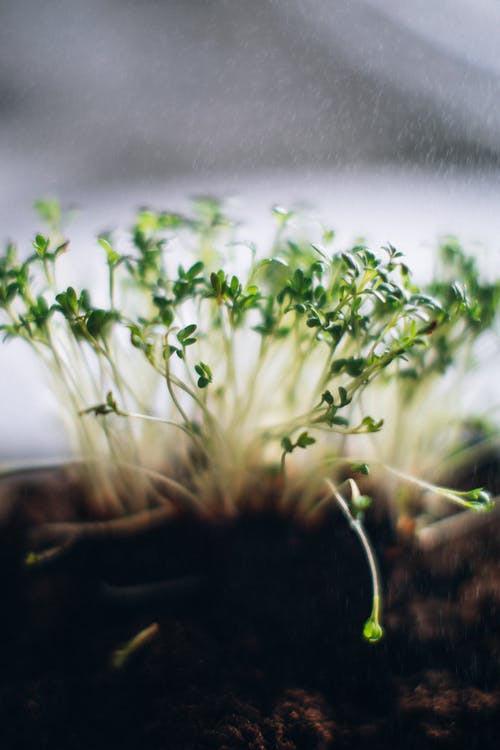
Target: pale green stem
[[358, 529], [161, 420], [435, 489], [227, 333]]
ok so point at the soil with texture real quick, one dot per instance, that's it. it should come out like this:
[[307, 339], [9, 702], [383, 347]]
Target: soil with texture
[[258, 643]]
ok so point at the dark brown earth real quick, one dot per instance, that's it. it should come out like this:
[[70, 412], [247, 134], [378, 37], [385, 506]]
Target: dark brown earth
[[259, 642]]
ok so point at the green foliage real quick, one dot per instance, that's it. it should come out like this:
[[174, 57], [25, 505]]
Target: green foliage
[[343, 318], [271, 353], [205, 374], [288, 446], [335, 320]]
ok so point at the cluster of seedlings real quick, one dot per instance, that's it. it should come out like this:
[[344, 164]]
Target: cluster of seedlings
[[200, 364]]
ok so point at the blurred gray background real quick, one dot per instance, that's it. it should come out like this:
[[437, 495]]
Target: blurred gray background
[[384, 114], [109, 91]]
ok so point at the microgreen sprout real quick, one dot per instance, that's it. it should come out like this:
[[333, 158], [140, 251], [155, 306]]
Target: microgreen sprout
[[353, 511], [205, 372], [303, 440], [475, 499]]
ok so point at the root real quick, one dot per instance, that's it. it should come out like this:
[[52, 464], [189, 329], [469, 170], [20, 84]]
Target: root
[[56, 540]]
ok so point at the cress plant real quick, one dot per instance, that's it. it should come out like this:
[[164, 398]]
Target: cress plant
[[209, 364], [436, 420]]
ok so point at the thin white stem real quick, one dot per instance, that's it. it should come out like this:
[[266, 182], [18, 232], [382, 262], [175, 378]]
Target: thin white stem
[[358, 529], [436, 490]]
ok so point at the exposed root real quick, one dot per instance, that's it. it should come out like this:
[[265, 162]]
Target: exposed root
[[64, 535]]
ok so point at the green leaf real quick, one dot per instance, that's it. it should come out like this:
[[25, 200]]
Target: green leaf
[[362, 502], [360, 469], [217, 282], [354, 366], [370, 425], [8, 293], [351, 262], [304, 440], [234, 287], [344, 398], [140, 341], [313, 321], [195, 269], [111, 255], [68, 302], [372, 631], [84, 301], [170, 350], [183, 336], [336, 330], [40, 245], [98, 321], [72, 298], [40, 311], [205, 373]]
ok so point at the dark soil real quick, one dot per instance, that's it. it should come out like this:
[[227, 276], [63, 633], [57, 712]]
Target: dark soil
[[259, 642]]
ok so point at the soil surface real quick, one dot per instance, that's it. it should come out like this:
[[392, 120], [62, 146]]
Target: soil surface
[[258, 640]]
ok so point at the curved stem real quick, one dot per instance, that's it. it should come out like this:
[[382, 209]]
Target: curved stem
[[161, 420], [375, 633]]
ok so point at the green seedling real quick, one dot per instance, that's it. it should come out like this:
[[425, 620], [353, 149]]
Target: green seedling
[[353, 511], [192, 378], [430, 410]]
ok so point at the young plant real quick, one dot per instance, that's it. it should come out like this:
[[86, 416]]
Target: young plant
[[437, 423], [208, 364]]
